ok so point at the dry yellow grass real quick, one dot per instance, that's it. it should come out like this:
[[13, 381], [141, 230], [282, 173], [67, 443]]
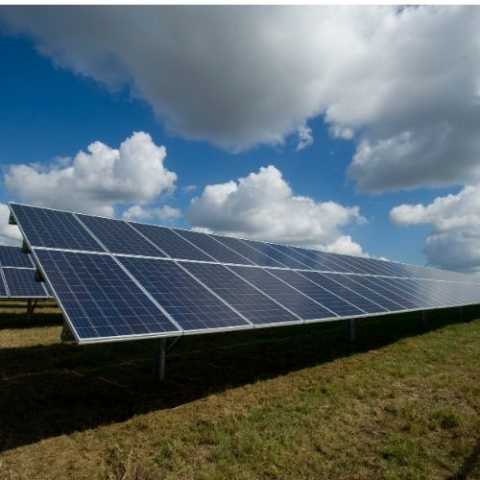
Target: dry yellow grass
[[403, 402]]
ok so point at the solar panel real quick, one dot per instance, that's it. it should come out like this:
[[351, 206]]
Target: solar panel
[[379, 285], [334, 284], [276, 254], [214, 249], [14, 257], [357, 287], [21, 283], [52, 228], [296, 301], [188, 302], [330, 300], [249, 301], [126, 285], [171, 243], [3, 290], [119, 237], [298, 255], [99, 299], [256, 257]]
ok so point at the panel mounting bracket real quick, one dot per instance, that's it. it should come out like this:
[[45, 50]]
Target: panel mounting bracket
[[25, 247], [66, 335]]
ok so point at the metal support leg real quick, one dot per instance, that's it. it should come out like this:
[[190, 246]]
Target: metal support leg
[[29, 309], [351, 330], [424, 317], [159, 353], [460, 311]]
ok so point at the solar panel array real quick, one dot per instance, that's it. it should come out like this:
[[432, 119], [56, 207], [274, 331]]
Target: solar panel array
[[17, 275], [117, 280]]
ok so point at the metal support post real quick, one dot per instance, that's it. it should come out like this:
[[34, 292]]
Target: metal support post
[[159, 354], [351, 330], [31, 304], [29, 309], [460, 311], [424, 316]]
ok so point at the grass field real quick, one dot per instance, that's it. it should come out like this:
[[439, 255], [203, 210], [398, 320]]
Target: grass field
[[402, 402]]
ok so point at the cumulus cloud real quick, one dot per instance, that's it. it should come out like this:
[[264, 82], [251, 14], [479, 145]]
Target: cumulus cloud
[[97, 180], [137, 212], [403, 83], [9, 234], [263, 206], [305, 137], [454, 241]]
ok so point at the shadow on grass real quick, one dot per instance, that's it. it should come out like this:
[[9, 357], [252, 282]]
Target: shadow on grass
[[471, 464], [15, 316], [46, 391]]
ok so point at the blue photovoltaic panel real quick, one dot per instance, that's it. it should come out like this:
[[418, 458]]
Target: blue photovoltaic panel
[[3, 291], [99, 298], [256, 257], [380, 286], [322, 295], [21, 283], [210, 246], [171, 243], [251, 303], [276, 254], [354, 284], [52, 228], [333, 284], [14, 257], [119, 237], [321, 261], [297, 255], [187, 301], [290, 298], [415, 288]]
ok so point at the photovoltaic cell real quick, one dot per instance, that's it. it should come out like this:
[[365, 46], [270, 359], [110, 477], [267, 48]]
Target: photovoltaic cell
[[417, 289], [3, 291], [357, 287], [276, 254], [292, 299], [119, 237], [256, 257], [210, 246], [99, 298], [171, 243], [52, 228], [379, 285], [21, 283], [331, 301], [187, 301], [323, 261], [251, 303], [14, 257], [334, 284], [307, 262]]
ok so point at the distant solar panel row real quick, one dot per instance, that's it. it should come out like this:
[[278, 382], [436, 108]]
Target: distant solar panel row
[[116, 280], [17, 275]]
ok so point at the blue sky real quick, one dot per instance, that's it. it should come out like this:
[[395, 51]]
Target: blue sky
[[54, 104]]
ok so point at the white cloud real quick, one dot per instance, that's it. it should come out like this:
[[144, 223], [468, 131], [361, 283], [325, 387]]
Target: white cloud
[[403, 83], [137, 212], [263, 206], [454, 242], [9, 234], [97, 180], [305, 137]]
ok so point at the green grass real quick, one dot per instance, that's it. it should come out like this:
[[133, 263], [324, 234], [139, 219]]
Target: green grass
[[299, 402]]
